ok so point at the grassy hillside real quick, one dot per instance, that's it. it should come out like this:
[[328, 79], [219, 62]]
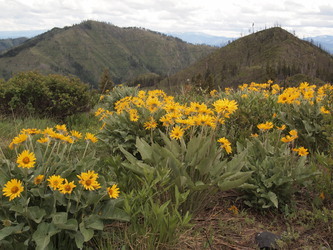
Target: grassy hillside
[[6, 44], [88, 48], [269, 54]]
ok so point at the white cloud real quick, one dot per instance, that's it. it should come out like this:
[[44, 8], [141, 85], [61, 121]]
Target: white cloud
[[216, 17]]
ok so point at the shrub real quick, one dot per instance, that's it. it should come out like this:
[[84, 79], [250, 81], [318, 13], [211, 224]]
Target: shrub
[[30, 93]]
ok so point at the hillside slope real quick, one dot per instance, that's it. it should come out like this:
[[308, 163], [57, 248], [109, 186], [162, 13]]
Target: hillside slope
[[269, 54], [87, 49], [9, 43]]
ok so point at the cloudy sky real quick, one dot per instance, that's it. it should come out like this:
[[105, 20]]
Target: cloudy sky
[[215, 17]]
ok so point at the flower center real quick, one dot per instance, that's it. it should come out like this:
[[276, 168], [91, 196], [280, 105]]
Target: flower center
[[68, 188], [14, 189], [26, 160], [88, 182]]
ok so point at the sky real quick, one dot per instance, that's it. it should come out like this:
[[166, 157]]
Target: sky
[[231, 18]]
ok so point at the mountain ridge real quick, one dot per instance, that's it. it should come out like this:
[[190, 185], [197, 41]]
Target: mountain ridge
[[88, 48], [268, 54]]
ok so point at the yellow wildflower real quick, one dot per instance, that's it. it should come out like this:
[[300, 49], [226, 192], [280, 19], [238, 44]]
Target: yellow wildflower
[[67, 187], [43, 140], [89, 180], [90, 137], [113, 191], [153, 104], [283, 127], [292, 136], [38, 179], [31, 131], [13, 189], [18, 140], [225, 144], [76, 135], [55, 181], [323, 110], [177, 132], [61, 128], [213, 93], [133, 114], [265, 126], [301, 151], [225, 107], [26, 159], [151, 124]]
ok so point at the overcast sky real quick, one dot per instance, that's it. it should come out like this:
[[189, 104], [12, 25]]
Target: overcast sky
[[216, 17]]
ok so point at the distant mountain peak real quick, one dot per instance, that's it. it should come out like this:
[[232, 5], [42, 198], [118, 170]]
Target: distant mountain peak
[[272, 53]]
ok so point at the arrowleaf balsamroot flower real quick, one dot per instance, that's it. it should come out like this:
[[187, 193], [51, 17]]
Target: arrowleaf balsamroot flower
[[76, 135], [26, 159], [225, 107], [323, 110], [61, 128], [55, 181], [265, 126], [113, 191], [91, 137], [151, 124], [177, 132], [13, 189], [43, 140], [38, 179], [89, 180], [67, 187], [301, 151], [18, 140], [225, 144], [283, 127], [292, 136]]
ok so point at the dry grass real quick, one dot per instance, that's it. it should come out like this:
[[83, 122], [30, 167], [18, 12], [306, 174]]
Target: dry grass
[[220, 228]]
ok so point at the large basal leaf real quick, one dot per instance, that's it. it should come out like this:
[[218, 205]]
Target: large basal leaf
[[36, 213], [6, 231], [234, 181], [86, 232], [94, 222], [110, 211], [43, 234]]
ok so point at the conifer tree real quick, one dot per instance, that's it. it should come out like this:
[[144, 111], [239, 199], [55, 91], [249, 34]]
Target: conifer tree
[[105, 82]]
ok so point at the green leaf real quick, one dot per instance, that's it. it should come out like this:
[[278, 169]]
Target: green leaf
[[111, 212], [43, 234], [17, 208], [273, 198], [144, 149], [36, 213], [79, 240], [59, 218], [234, 181], [94, 222], [4, 232], [71, 224], [87, 233]]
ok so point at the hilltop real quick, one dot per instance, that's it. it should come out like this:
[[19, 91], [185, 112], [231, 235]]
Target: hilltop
[[88, 48], [269, 54]]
